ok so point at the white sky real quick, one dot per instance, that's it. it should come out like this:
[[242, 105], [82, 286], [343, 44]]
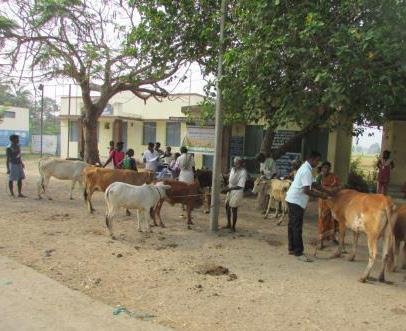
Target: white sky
[[369, 137]]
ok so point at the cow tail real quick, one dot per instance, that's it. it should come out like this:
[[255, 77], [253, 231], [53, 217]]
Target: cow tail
[[85, 193], [391, 215], [106, 198], [85, 188]]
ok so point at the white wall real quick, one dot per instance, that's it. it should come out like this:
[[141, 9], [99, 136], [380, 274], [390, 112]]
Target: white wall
[[153, 109], [20, 122], [73, 146], [128, 105]]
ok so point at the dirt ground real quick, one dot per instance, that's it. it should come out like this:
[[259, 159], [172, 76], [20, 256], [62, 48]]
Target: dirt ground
[[161, 273]]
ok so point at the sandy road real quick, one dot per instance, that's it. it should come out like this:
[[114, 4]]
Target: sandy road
[[158, 273]]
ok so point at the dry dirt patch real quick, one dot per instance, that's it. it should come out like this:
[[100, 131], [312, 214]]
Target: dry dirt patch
[[157, 273]]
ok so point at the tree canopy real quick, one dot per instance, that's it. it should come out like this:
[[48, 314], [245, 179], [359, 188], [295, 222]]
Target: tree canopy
[[316, 62], [101, 45], [313, 63], [21, 97]]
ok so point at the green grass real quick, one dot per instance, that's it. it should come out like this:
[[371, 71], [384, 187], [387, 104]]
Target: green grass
[[367, 162]]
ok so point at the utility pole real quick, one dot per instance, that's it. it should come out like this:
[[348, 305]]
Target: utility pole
[[69, 124], [215, 190], [41, 88]]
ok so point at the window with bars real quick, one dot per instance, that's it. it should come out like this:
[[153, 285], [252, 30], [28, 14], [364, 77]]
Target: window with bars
[[173, 134], [73, 131], [9, 114], [149, 132]]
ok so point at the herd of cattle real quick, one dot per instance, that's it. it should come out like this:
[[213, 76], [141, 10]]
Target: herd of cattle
[[374, 214]]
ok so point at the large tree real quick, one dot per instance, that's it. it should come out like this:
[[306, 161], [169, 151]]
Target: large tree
[[101, 45], [314, 63]]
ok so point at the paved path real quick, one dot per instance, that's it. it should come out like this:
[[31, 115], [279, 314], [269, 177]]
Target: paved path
[[32, 301]]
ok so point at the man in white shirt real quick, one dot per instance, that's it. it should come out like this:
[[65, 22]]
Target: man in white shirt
[[235, 191], [186, 165], [297, 198], [151, 158], [267, 166]]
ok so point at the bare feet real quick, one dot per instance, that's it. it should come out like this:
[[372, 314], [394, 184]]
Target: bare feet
[[21, 195]]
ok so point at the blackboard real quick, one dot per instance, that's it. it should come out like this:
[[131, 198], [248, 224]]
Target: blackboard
[[237, 146], [284, 163], [281, 137]]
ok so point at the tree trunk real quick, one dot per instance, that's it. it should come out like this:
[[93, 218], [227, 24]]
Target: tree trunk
[[91, 150], [267, 141]]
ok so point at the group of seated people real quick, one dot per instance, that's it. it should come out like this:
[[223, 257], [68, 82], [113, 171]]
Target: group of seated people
[[164, 164]]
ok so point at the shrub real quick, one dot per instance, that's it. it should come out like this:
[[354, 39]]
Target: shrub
[[357, 179]]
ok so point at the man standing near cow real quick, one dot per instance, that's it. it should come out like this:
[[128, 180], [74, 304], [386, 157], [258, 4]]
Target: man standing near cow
[[235, 191], [297, 198], [151, 158], [186, 164], [267, 166], [15, 166]]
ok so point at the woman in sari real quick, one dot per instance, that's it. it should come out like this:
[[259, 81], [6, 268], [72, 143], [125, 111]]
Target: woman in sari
[[327, 224]]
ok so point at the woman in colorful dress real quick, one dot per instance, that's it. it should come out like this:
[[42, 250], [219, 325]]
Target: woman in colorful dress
[[385, 166], [327, 224]]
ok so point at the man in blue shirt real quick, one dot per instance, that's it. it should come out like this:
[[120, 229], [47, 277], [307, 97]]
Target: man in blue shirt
[[297, 198]]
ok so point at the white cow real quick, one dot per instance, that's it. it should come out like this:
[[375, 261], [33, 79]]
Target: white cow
[[143, 198], [60, 169]]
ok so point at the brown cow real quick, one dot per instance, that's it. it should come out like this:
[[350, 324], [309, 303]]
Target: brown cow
[[400, 235], [369, 213], [98, 179], [190, 195]]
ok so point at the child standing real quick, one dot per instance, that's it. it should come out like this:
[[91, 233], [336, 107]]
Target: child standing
[[129, 161], [15, 166]]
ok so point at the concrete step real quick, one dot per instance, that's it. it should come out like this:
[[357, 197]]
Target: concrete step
[[32, 301]]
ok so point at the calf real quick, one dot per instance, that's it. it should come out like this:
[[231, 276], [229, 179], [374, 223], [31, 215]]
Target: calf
[[261, 188], [60, 169], [276, 189], [98, 179], [372, 214], [142, 198], [190, 195], [400, 235], [277, 194]]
